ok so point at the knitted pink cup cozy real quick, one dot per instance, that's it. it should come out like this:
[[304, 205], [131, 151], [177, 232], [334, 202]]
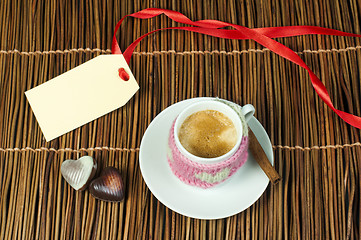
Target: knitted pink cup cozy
[[204, 175]]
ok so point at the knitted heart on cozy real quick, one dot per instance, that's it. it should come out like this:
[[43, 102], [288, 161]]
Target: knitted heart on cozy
[[78, 173]]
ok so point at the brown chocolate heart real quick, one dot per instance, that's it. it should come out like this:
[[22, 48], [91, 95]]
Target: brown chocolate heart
[[78, 173], [109, 186]]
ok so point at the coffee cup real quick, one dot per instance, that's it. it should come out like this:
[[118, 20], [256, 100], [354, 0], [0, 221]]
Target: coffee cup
[[247, 111], [208, 142]]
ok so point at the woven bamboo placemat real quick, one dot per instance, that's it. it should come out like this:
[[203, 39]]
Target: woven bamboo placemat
[[317, 154]]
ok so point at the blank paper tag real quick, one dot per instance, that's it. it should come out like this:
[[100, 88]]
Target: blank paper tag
[[81, 95]]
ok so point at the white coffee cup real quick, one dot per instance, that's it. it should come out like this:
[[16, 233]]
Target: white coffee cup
[[247, 110]]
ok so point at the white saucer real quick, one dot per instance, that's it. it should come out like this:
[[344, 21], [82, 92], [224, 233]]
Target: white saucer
[[226, 199]]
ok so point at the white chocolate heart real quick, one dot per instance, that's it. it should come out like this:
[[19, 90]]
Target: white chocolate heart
[[78, 173]]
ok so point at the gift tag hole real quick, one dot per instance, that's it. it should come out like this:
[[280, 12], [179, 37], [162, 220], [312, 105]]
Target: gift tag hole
[[123, 74]]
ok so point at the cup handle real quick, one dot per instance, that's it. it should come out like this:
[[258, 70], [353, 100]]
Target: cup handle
[[248, 111]]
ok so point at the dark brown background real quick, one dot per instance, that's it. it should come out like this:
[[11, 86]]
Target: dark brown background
[[317, 154]]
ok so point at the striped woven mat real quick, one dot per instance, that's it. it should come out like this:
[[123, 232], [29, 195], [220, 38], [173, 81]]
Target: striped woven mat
[[317, 154]]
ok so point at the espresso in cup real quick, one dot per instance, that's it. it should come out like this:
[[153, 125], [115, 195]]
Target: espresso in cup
[[208, 134], [208, 141]]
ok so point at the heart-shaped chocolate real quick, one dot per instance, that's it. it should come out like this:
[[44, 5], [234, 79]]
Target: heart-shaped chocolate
[[109, 186], [78, 173]]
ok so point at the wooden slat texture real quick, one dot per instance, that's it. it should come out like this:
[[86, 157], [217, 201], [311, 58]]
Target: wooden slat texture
[[317, 154]]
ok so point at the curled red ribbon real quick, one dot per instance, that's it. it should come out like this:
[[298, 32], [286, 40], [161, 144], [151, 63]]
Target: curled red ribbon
[[261, 35]]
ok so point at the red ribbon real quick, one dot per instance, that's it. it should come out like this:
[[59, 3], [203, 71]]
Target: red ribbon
[[261, 35]]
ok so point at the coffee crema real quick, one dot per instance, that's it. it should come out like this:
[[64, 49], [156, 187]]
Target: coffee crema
[[208, 134]]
